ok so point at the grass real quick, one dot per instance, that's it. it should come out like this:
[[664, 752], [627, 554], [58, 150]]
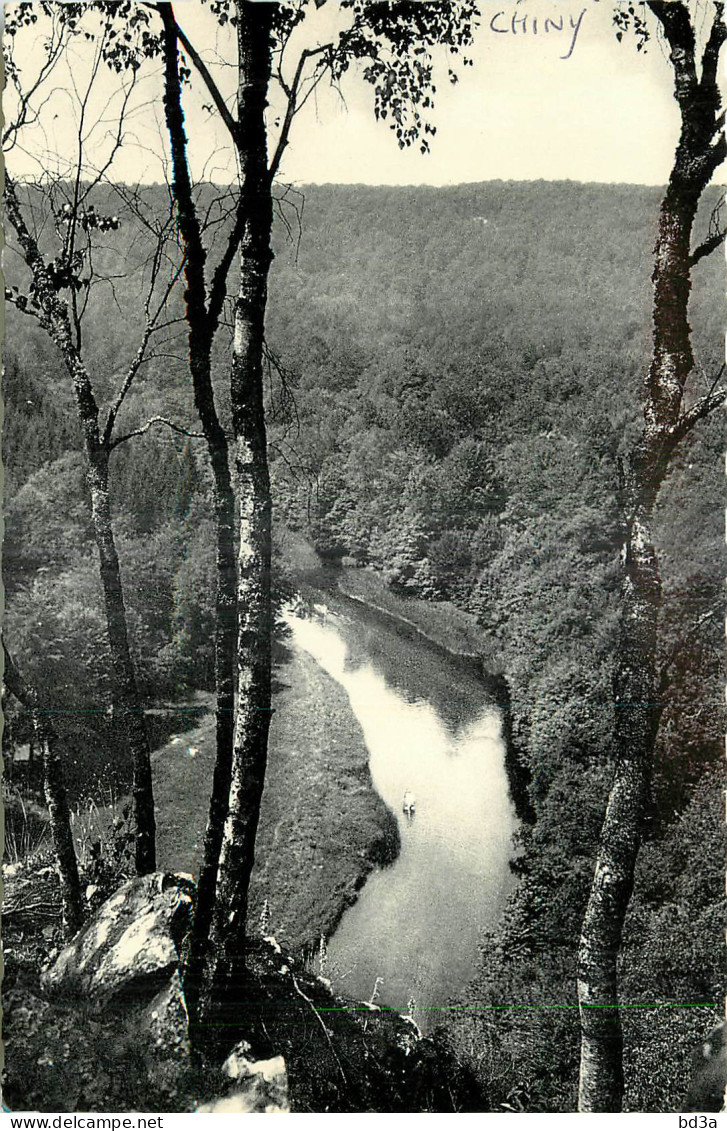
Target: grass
[[182, 784], [323, 828], [103, 836], [27, 831]]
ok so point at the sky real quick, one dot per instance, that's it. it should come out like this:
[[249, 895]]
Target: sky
[[522, 112], [557, 104]]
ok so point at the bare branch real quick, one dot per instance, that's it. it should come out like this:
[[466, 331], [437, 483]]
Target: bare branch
[[715, 234], [150, 424], [711, 53], [125, 386], [218, 290], [291, 93], [701, 408], [151, 326], [22, 303], [710, 244], [72, 227], [284, 199], [204, 73], [54, 50], [117, 141]]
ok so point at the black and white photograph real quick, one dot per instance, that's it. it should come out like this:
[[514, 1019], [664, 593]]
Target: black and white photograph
[[364, 557]]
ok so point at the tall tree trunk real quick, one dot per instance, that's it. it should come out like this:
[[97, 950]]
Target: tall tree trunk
[[125, 696], [226, 962], [636, 678], [127, 709], [202, 321], [601, 1076], [54, 789], [225, 653]]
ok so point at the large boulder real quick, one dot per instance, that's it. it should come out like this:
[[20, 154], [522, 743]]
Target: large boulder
[[130, 948], [111, 1030]]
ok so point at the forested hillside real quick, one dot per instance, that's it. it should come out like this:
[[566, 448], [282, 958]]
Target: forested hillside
[[462, 434], [453, 376]]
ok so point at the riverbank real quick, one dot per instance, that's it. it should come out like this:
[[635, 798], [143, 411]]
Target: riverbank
[[323, 828], [439, 622], [455, 633]]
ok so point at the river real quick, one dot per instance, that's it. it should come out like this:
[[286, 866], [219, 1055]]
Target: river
[[431, 730]]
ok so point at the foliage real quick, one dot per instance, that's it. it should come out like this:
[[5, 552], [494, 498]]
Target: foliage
[[464, 465], [396, 40], [464, 391], [104, 840]]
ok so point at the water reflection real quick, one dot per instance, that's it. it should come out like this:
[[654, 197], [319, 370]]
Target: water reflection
[[415, 924]]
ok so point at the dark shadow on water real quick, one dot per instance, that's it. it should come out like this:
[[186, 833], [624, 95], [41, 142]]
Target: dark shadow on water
[[418, 669]]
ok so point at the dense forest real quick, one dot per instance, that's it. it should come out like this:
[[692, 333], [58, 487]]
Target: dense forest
[[453, 376], [468, 448]]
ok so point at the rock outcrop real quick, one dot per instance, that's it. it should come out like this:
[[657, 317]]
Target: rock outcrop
[[107, 1030], [129, 948]]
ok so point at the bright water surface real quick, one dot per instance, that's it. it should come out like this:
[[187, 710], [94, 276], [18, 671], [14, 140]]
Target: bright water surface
[[429, 729]]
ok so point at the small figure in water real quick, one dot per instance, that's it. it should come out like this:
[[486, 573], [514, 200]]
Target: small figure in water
[[409, 805]]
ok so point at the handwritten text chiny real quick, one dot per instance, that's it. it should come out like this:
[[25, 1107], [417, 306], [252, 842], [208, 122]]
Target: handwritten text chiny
[[518, 21]]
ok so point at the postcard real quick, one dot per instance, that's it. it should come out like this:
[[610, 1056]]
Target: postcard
[[363, 558]]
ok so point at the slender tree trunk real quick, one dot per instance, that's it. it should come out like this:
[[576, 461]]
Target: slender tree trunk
[[202, 320], [125, 697], [225, 652], [636, 683], [54, 789], [127, 709], [226, 962]]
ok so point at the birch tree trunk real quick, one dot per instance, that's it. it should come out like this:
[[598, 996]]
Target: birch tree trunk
[[202, 320], [258, 32], [636, 679], [601, 1074], [225, 968], [128, 712]]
